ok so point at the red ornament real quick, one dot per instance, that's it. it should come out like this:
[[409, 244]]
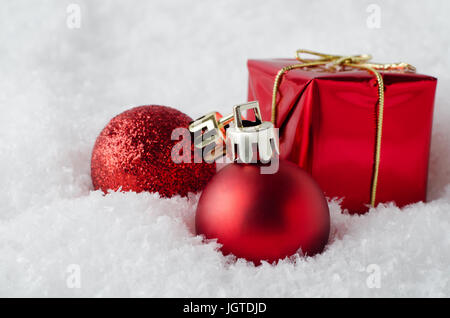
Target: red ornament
[[257, 215], [134, 152], [264, 216]]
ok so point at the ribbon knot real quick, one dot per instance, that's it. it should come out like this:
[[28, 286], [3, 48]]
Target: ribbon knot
[[354, 61], [361, 60]]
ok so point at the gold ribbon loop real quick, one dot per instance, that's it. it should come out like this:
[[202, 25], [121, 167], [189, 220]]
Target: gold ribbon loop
[[335, 59], [353, 61]]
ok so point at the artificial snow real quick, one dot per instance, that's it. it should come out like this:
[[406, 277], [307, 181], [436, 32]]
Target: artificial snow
[[60, 85]]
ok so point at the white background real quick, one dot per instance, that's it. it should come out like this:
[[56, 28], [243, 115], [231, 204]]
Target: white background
[[60, 86]]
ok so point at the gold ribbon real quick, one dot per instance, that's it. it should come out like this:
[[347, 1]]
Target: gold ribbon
[[353, 61]]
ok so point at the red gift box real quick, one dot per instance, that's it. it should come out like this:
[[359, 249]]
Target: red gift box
[[328, 121]]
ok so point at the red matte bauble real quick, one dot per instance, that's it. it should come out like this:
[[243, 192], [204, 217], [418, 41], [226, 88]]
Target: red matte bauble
[[133, 152], [264, 216]]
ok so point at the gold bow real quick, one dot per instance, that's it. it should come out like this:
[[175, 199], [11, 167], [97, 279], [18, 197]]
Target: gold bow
[[353, 61]]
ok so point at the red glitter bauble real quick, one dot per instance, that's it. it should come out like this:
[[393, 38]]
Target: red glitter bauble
[[264, 216], [133, 152]]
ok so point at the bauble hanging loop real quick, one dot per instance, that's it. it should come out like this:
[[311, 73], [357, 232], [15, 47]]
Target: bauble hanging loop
[[246, 136], [234, 136]]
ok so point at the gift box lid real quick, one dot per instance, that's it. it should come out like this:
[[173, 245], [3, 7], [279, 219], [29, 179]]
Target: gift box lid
[[272, 66]]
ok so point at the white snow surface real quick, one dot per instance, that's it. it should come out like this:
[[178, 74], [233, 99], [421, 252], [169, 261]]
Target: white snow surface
[[60, 86]]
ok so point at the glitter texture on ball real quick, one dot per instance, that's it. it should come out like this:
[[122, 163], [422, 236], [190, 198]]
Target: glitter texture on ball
[[133, 153]]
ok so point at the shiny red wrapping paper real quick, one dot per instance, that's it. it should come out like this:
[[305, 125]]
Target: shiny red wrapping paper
[[327, 124]]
